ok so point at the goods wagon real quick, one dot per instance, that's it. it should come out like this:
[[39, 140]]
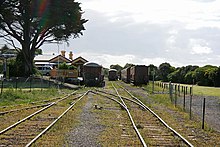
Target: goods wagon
[[63, 73], [139, 74], [93, 74], [112, 75], [125, 75]]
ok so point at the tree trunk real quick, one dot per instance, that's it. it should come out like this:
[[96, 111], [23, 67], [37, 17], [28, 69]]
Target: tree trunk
[[26, 44], [27, 60]]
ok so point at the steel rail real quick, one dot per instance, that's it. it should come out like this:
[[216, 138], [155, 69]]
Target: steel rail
[[28, 117], [25, 108], [58, 118], [119, 95], [31, 107], [20, 121], [159, 118], [132, 121], [109, 98], [126, 98]]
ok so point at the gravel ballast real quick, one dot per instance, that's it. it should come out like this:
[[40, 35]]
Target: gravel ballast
[[86, 133]]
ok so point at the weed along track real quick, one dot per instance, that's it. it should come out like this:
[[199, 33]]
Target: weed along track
[[27, 130]]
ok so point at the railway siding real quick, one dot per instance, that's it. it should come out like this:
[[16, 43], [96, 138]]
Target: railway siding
[[177, 118], [30, 126], [99, 120], [150, 126]]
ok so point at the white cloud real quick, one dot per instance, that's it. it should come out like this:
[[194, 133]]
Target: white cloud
[[180, 32], [106, 59], [198, 49], [192, 13], [200, 46]]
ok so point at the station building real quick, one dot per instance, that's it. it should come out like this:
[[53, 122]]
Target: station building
[[54, 60]]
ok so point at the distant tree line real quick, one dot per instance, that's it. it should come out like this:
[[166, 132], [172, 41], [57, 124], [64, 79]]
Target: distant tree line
[[207, 75]]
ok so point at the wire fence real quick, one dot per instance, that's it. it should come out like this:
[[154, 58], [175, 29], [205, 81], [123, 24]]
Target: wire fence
[[207, 108], [30, 83]]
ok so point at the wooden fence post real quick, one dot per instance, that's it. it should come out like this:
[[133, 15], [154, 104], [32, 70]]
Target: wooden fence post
[[203, 114]]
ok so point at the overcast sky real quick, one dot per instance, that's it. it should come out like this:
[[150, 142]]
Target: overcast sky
[[180, 32]]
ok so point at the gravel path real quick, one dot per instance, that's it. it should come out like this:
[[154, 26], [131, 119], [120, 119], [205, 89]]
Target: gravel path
[[85, 134]]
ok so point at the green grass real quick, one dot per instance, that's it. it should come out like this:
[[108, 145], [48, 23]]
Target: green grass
[[15, 97], [206, 91], [197, 90]]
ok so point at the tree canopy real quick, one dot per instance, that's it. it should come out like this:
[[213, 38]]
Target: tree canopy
[[164, 70], [117, 67], [34, 22]]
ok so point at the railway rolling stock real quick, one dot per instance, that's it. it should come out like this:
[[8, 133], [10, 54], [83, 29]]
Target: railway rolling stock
[[125, 75], [139, 74], [93, 74], [112, 75]]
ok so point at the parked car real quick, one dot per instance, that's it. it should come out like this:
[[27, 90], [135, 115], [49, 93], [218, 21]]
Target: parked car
[[44, 70]]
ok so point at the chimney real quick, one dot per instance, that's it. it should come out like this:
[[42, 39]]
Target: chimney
[[71, 55], [63, 53]]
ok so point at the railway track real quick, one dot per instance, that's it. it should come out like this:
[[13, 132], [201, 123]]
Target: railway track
[[139, 125], [152, 129], [27, 130], [127, 137], [37, 104], [11, 114]]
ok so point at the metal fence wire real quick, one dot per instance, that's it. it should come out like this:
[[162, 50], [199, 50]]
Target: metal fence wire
[[27, 83], [207, 108]]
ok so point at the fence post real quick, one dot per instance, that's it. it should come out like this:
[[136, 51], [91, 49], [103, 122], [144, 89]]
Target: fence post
[[203, 114], [184, 98], [175, 97], [16, 86], [41, 85], [179, 89], [171, 91], [190, 107], [190, 90], [2, 84], [30, 82], [153, 83], [49, 83]]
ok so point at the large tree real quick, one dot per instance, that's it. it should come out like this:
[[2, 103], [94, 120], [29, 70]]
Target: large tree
[[164, 70], [34, 22]]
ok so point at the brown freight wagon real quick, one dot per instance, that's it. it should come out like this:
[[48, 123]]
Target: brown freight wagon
[[125, 75], [112, 75], [139, 74], [63, 73], [93, 74]]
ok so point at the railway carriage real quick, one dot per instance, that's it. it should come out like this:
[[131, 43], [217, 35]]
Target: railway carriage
[[112, 75], [139, 74], [93, 74], [125, 75]]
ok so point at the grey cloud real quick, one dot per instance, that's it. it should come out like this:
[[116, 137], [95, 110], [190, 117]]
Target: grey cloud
[[144, 40]]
